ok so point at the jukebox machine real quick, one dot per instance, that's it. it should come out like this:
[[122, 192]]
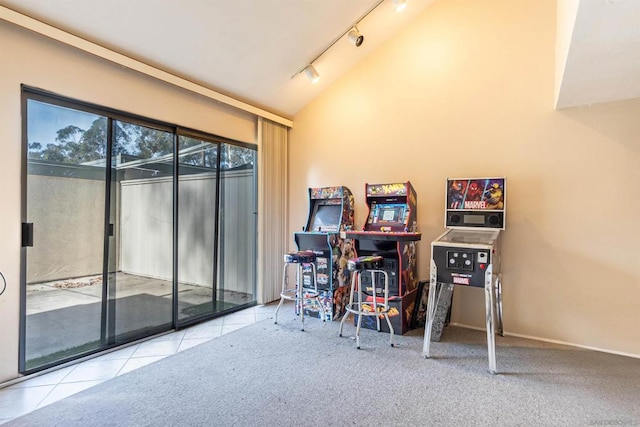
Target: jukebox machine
[[391, 232], [468, 254], [330, 213]]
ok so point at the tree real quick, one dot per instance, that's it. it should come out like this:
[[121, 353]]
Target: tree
[[75, 145], [235, 157], [151, 143], [91, 144]]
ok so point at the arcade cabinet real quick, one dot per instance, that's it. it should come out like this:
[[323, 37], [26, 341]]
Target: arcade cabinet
[[330, 212], [468, 254], [391, 232]]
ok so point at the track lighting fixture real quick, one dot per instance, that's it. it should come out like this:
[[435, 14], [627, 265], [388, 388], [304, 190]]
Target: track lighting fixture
[[312, 74], [355, 37], [399, 5]]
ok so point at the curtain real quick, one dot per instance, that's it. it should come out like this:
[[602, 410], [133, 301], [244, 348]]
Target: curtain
[[272, 204]]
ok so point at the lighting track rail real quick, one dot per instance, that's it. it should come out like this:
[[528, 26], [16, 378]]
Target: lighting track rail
[[309, 65]]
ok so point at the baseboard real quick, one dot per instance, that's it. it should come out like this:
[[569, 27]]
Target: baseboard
[[531, 337]]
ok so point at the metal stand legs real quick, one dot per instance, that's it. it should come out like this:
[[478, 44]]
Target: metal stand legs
[[493, 310]]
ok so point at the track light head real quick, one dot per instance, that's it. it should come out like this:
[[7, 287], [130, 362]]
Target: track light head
[[311, 73], [399, 5], [355, 37]]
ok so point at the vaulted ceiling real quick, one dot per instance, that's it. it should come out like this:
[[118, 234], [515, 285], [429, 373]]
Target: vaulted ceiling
[[254, 50], [599, 60]]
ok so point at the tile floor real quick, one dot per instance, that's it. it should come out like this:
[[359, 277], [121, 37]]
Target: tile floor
[[33, 393]]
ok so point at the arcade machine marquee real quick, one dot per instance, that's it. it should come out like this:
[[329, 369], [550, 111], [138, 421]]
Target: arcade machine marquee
[[330, 213], [391, 232], [468, 254]]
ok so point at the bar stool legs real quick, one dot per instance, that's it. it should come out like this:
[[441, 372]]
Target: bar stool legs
[[299, 293], [368, 308], [286, 291]]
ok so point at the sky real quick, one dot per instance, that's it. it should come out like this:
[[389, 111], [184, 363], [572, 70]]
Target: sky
[[44, 120]]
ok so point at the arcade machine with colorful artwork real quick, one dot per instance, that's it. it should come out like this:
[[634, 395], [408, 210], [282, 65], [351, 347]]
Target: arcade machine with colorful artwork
[[468, 254], [330, 213], [391, 232]]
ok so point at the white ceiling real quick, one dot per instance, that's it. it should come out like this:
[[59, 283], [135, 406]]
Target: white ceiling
[[253, 49], [603, 61], [247, 49]]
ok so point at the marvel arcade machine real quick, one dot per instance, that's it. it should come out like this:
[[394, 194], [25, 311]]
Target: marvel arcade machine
[[468, 254], [330, 212], [391, 232]]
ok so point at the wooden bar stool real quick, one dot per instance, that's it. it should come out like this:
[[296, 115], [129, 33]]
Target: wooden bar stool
[[299, 293], [378, 306]]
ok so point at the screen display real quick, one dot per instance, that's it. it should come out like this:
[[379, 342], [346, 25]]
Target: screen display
[[474, 219], [392, 213], [326, 218]]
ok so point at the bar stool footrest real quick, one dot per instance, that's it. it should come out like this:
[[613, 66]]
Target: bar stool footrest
[[300, 257], [357, 310], [366, 263]]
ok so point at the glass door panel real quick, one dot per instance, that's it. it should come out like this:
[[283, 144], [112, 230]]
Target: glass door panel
[[140, 264], [197, 193], [65, 203], [237, 235], [92, 281]]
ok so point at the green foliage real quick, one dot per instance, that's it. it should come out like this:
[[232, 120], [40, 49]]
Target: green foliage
[[74, 145]]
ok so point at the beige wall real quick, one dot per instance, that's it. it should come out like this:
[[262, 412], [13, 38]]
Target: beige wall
[[468, 90], [68, 218], [31, 59]]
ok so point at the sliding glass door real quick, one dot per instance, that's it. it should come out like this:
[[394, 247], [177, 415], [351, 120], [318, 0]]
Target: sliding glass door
[[66, 159], [197, 227], [237, 235], [140, 266], [131, 228], [217, 203]]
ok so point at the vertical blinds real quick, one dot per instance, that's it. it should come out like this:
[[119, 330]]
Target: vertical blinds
[[273, 206]]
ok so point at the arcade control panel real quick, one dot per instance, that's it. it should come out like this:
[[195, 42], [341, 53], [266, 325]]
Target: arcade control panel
[[462, 257], [395, 236]]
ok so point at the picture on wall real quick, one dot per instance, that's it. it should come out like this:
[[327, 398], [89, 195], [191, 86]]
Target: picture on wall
[[476, 194]]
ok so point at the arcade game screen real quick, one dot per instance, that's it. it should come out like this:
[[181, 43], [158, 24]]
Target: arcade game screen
[[389, 213], [326, 218]]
